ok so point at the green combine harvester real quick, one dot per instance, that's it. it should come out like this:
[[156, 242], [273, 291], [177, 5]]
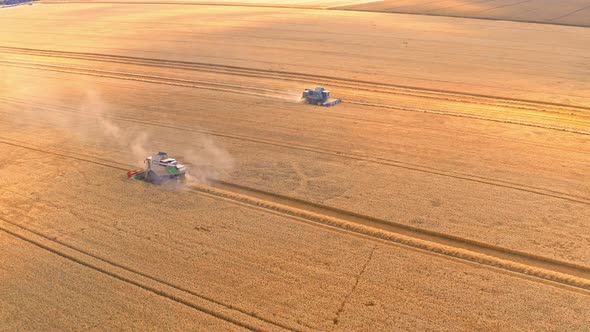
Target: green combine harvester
[[159, 169]]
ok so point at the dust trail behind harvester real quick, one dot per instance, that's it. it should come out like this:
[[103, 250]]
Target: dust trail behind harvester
[[205, 158], [85, 116], [135, 142]]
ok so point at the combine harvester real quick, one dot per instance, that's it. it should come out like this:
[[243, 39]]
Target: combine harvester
[[159, 169], [319, 96]]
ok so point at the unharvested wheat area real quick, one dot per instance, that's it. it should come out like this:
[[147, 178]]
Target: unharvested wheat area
[[446, 187]]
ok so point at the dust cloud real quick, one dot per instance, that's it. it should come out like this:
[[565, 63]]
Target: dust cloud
[[204, 157], [90, 120]]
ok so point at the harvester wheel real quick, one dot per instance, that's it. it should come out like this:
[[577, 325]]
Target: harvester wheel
[[319, 103]]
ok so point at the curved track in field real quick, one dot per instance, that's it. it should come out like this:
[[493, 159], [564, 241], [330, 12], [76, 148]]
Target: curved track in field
[[540, 268], [575, 119]]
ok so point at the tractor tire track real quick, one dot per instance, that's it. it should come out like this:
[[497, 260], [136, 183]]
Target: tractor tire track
[[268, 93], [398, 228], [538, 267], [375, 160], [357, 279], [230, 88], [261, 73], [523, 263], [340, 82], [326, 114], [277, 94], [153, 285], [478, 117]]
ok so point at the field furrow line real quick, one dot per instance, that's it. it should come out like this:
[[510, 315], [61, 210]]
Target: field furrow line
[[484, 118], [230, 88], [387, 225], [327, 114], [523, 264], [269, 93], [130, 276], [372, 159], [335, 81], [548, 269]]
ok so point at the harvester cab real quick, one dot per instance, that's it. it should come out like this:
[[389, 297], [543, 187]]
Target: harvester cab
[[159, 169], [319, 96]]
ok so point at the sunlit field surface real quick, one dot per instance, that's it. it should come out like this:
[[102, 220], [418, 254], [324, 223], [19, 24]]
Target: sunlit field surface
[[449, 191]]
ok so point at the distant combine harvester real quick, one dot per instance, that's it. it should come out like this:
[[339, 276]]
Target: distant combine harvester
[[10, 3]]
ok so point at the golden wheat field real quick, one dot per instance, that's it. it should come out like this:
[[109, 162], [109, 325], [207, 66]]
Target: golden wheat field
[[449, 191]]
